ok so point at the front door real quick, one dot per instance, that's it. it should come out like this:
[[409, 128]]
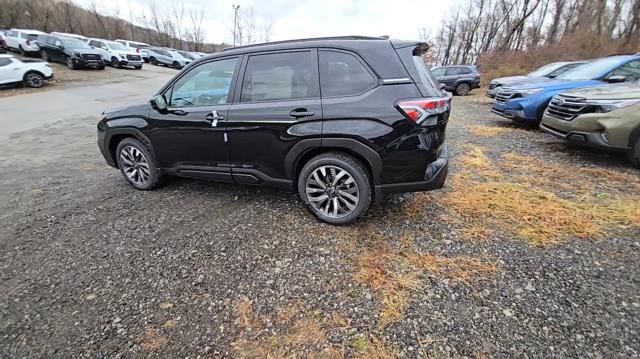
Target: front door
[[278, 103], [190, 136]]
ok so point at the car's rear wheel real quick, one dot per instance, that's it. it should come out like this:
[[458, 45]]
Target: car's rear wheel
[[44, 56], [70, 63], [335, 187], [34, 79], [634, 154], [137, 164], [463, 89]]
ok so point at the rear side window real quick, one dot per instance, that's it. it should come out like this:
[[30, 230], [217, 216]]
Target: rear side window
[[464, 70], [342, 74], [452, 71], [280, 76], [4, 62]]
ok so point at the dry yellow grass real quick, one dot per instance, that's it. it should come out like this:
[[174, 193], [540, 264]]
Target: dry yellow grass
[[487, 131], [152, 340], [375, 349], [519, 193], [392, 274]]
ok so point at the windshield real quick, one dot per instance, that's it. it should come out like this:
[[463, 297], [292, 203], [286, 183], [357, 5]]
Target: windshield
[[592, 70], [185, 54], [74, 44], [117, 46], [545, 70]]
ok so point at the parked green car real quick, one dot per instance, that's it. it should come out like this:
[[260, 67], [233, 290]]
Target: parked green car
[[605, 117]]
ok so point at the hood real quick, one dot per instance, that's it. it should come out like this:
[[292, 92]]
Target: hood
[[82, 51], [623, 91], [125, 53], [131, 111], [526, 80], [556, 85], [509, 79]]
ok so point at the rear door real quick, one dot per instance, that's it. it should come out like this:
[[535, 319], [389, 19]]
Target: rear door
[[451, 75], [277, 103], [7, 72]]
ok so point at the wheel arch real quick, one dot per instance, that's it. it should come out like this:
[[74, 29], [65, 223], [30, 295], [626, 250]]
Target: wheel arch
[[305, 150], [24, 77], [117, 135]]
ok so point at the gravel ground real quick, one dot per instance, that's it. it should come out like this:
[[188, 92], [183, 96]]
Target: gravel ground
[[93, 268]]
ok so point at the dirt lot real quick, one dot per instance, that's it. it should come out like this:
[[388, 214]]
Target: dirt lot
[[531, 250]]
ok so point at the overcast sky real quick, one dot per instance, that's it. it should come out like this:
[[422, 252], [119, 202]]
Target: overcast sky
[[307, 18]]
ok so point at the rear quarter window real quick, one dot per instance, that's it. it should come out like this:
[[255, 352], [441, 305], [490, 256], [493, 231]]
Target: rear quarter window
[[342, 74]]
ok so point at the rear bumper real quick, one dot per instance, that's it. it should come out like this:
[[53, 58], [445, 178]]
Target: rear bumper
[[434, 178], [589, 139]]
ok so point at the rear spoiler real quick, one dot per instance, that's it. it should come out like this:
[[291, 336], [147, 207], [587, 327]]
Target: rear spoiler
[[419, 47]]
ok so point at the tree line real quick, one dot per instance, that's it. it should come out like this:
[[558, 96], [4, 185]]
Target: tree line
[[526, 33], [174, 26]]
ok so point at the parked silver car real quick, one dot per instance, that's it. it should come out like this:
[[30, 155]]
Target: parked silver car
[[160, 56]]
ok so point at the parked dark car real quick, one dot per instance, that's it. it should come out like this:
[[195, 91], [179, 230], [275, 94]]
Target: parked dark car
[[458, 79], [340, 120], [74, 53]]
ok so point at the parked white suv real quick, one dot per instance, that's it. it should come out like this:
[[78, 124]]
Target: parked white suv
[[32, 73], [116, 54], [23, 41], [139, 47]]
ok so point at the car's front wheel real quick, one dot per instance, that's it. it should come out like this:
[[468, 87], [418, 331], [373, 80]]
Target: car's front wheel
[[335, 187], [634, 154], [115, 63], [463, 89], [153, 61], [70, 63], [137, 164]]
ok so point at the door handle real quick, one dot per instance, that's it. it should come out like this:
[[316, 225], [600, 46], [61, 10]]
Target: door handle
[[214, 117], [301, 112]]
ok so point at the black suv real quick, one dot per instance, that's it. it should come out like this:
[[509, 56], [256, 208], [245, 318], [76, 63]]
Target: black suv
[[339, 120], [72, 52], [458, 79]]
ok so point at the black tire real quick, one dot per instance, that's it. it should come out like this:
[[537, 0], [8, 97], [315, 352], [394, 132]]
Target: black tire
[[44, 55], [33, 79], [138, 67], [336, 161], [115, 63], [634, 154], [154, 177], [100, 67], [153, 61], [21, 51], [176, 65], [463, 89], [70, 63]]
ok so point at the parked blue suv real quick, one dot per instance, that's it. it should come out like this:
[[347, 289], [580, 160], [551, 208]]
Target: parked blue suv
[[526, 102]]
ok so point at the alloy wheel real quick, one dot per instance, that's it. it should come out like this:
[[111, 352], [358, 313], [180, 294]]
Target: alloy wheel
[[135, 165], [35, 80], [332, 191]]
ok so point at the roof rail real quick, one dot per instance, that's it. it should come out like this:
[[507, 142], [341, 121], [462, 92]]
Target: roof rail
[[307, 39], [622, 54]]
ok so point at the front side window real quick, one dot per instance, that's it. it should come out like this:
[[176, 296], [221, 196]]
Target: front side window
[[342, 74], [205, 85], [629, 70], [280, 76]]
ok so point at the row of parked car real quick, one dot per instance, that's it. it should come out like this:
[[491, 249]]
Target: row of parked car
[[77, 51], [594, 103]]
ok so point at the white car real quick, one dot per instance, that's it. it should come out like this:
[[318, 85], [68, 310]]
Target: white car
[[23, 41], [32, 73], [116, 54], [139, 47]]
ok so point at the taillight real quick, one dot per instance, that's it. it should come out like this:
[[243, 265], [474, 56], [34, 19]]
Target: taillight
[[420, 110]]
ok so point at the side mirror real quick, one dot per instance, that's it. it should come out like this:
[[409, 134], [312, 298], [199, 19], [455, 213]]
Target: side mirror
[[159, 103], [616, 79]]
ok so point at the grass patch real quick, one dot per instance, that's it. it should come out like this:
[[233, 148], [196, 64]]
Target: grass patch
[[152, 340], [392, 274], [372, 349], [487, 131]]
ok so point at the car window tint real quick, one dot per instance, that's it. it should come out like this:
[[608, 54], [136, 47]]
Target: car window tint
[[451, 71], [464, 70], [280, 76], [206, 84], [630, 70], [342, 74], [4, 62], [438, 72]]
